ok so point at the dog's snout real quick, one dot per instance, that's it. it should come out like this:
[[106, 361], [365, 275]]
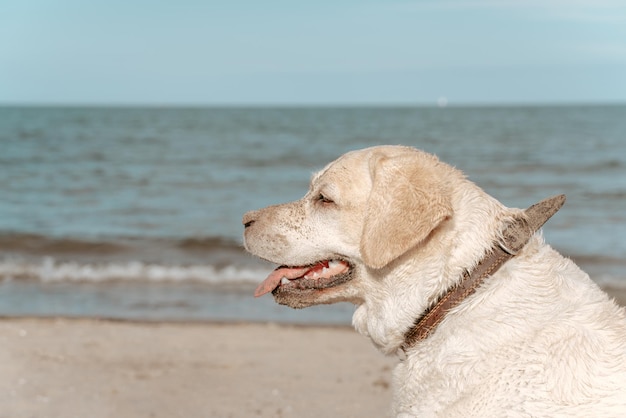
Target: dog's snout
[[249, 218]]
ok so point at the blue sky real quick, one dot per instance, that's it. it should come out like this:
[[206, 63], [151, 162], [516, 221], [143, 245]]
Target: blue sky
[[316, 52]]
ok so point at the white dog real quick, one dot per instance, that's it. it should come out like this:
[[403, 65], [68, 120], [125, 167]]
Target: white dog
[[395, 231]]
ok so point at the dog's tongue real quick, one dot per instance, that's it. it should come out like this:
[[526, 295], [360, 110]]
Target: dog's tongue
[[273, 280]]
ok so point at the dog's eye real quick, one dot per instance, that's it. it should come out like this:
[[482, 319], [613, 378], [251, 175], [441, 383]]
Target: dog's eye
[[324, 200]]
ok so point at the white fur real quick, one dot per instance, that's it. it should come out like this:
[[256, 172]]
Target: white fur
[[538, 339]]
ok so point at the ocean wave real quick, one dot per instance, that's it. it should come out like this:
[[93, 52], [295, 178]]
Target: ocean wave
[[207, 243], [40, 244], [49, 270], [44, 245]]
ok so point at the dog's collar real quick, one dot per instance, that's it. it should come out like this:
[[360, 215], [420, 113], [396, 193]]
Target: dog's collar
[[514, 237]]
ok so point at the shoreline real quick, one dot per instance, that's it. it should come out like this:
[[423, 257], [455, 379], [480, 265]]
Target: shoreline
[[171, 302]]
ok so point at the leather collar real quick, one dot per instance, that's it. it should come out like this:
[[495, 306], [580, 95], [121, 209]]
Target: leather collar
[[513, 238]]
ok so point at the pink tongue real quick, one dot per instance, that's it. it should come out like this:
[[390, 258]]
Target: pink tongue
[[273, 280]]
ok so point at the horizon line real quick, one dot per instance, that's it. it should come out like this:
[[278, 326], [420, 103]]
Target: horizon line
[[304, 105]]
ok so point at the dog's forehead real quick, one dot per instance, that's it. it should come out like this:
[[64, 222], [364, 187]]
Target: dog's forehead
[[344, 168]]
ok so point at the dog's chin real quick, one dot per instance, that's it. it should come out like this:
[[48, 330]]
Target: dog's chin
[[299, 294]]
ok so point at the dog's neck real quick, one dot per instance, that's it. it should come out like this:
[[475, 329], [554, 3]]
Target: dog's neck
[[513, 238]]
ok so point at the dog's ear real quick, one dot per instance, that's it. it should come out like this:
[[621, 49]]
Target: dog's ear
[[407, 201]]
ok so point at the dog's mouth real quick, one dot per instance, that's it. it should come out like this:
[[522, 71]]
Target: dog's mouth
[[320, 275]]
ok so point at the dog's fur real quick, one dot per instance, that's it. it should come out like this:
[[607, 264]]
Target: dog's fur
[[537, 339]]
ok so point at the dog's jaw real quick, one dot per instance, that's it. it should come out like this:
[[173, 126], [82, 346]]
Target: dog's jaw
[[302, 294]]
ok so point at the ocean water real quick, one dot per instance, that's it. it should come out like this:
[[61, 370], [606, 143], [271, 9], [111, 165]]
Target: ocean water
[[136, 212]]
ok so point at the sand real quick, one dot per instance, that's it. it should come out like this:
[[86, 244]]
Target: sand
[[85, 368], [64, 368]]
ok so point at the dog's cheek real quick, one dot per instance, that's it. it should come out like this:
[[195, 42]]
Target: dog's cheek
[[331, 234], [348, 231]]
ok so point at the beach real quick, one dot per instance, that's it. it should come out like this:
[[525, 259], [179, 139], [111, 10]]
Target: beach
[[124, 287], [63, 368], [96, 368]]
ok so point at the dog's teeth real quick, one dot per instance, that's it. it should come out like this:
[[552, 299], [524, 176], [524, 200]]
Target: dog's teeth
[[284, 280], [325, 270], [333, 263]]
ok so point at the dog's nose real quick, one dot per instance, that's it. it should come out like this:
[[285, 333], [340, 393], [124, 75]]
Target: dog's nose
[[249, 218]]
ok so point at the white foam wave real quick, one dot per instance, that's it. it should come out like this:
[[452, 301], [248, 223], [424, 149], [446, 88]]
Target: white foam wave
[[50, 270]]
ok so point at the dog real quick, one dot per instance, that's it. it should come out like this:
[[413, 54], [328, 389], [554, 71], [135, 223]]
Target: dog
[[393, 229]]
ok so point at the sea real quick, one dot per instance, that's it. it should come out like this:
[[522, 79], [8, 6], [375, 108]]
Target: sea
[[135, 213]]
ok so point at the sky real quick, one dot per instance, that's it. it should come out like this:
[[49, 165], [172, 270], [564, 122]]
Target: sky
[[323, 52]]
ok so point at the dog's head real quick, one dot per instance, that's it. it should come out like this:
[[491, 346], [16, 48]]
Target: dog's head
[[362, 214]]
